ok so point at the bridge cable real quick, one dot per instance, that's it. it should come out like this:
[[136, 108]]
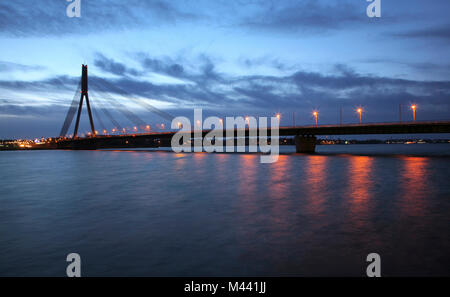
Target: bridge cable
[[71, 112], [141, 102], [108, 114], [96, 114], [125, 111]]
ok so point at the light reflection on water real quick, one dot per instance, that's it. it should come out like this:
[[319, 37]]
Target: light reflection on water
[[168, 214], [414, 185], [315, 188], [359, 188]]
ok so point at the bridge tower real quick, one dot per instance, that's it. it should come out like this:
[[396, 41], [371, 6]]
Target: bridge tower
[[84, 94]]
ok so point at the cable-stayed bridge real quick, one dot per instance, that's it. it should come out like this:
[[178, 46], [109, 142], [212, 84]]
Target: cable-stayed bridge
[[142, 135]]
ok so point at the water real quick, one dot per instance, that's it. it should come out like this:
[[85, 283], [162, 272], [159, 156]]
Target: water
[[142, 213]]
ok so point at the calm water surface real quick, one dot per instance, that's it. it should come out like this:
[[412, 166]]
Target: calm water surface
[[143, 213]]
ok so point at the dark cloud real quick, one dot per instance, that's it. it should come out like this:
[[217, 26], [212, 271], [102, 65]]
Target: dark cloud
[[56, 84], [166, 66], [111, 66], [48, 17], [422, 67], [204, 70], [265, 61], [307, 16], [439, 33]]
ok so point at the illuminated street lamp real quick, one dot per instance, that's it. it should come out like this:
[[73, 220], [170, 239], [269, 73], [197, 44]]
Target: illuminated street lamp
[[359, 110], [316, 116], [279, 118], [413, 107]]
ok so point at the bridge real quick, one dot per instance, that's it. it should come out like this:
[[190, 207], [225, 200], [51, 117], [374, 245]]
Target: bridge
[[305, 136]]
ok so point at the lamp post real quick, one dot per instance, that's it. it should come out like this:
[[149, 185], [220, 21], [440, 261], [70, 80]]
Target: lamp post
[[359, 110], [413, 107], [316, 115]]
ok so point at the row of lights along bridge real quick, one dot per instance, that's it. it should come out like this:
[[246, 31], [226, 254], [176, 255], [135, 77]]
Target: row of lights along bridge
[[315, 115], [359, 111]]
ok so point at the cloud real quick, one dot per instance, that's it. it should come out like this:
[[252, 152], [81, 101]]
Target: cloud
[[9, 67], [306, 16], [48, 17], [201, 69], [56, 84], [437, 33], [166, 66], [113, 67], [250, 94]]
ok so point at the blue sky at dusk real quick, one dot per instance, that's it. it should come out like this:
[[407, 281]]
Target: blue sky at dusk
[[229, 57]]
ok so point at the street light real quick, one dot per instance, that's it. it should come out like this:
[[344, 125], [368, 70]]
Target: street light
[[279, 118], [413, 107], [316, 115], [359, 110]]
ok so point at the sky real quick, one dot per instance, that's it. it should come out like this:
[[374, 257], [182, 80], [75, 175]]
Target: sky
[[230, 58]]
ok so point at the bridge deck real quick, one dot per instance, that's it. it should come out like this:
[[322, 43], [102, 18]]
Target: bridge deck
[[346, 129], [156, 139]]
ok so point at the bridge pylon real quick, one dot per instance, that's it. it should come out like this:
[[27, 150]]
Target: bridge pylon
[[84, 94]]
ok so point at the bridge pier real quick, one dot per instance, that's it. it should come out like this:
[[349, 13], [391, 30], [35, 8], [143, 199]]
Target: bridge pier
[[305, 144]]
